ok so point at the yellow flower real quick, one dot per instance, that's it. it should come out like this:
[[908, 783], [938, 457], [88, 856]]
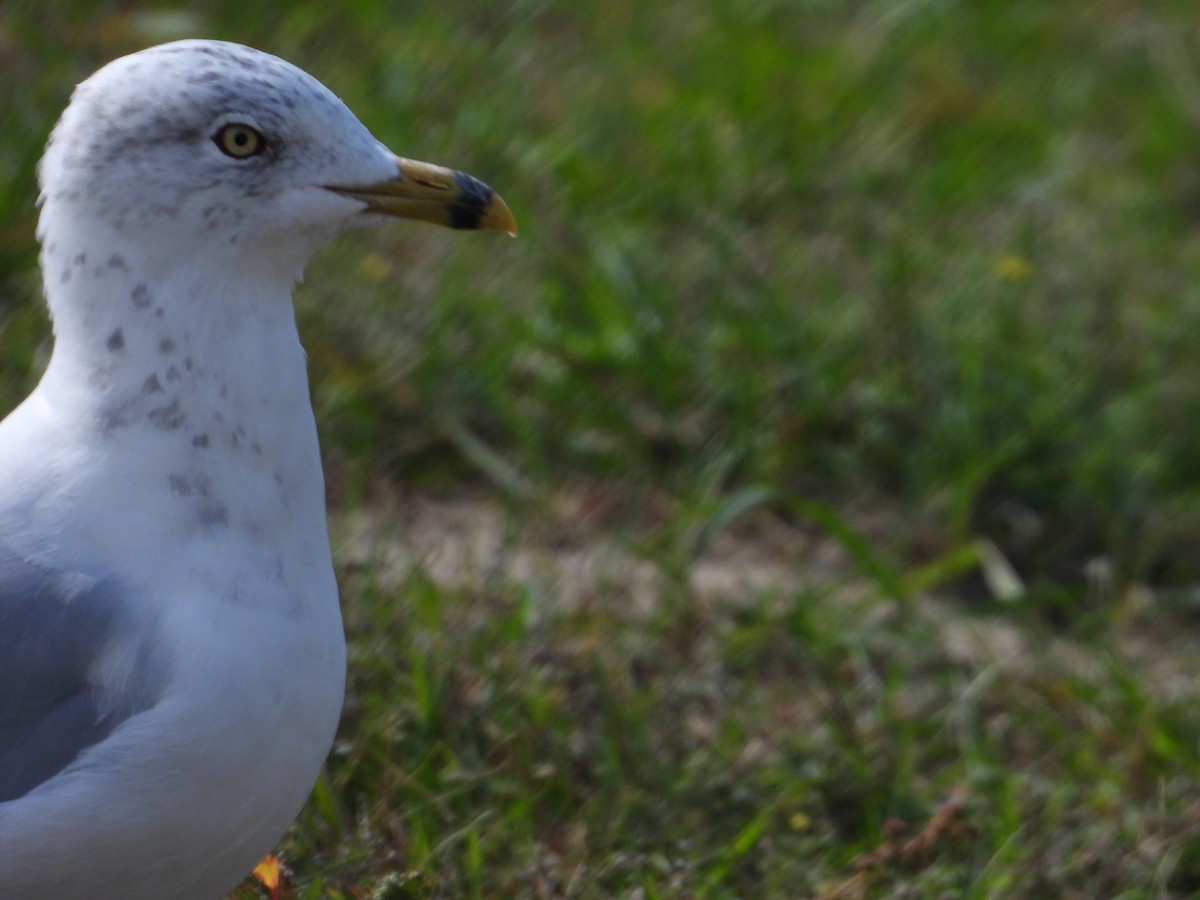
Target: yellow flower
[[1013, 267]]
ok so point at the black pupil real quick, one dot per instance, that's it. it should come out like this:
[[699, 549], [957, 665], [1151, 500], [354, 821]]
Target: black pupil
[[239, 140]]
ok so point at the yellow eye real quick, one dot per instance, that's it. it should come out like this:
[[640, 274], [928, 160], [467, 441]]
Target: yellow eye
[[240, 141]]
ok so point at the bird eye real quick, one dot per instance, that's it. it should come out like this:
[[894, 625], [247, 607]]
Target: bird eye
[[240, 141]]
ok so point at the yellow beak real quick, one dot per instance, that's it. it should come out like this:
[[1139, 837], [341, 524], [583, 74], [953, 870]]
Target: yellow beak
[[434, 194]]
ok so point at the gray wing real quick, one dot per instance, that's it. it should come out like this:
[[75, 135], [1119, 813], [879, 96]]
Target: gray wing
[[76, 660]]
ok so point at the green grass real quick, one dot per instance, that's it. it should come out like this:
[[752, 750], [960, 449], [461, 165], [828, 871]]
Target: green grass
[[674, 537]]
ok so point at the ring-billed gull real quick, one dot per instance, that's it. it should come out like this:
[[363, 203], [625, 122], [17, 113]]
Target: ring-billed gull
[[171, 651]]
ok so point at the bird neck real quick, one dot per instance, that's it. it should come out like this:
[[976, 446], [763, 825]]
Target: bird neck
[[130, 336], [200, 367]]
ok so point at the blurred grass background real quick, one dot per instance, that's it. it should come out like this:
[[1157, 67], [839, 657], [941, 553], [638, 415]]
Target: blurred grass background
[[807, 504]]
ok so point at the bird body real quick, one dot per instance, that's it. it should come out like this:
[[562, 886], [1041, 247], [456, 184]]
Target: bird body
[[172, 660], [238, 734]]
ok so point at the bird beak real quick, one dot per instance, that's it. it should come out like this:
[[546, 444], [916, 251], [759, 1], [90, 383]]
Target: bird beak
[[434, 194]]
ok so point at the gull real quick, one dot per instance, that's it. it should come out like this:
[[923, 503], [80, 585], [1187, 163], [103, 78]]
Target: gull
[[172, 659]]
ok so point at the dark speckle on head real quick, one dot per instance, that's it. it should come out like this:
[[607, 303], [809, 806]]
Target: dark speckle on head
[[205, 77], [117, 261], [180, 485], [152, 385], [115, 341], [200, 441], [141, 296], [173, 375], [165, 346]]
